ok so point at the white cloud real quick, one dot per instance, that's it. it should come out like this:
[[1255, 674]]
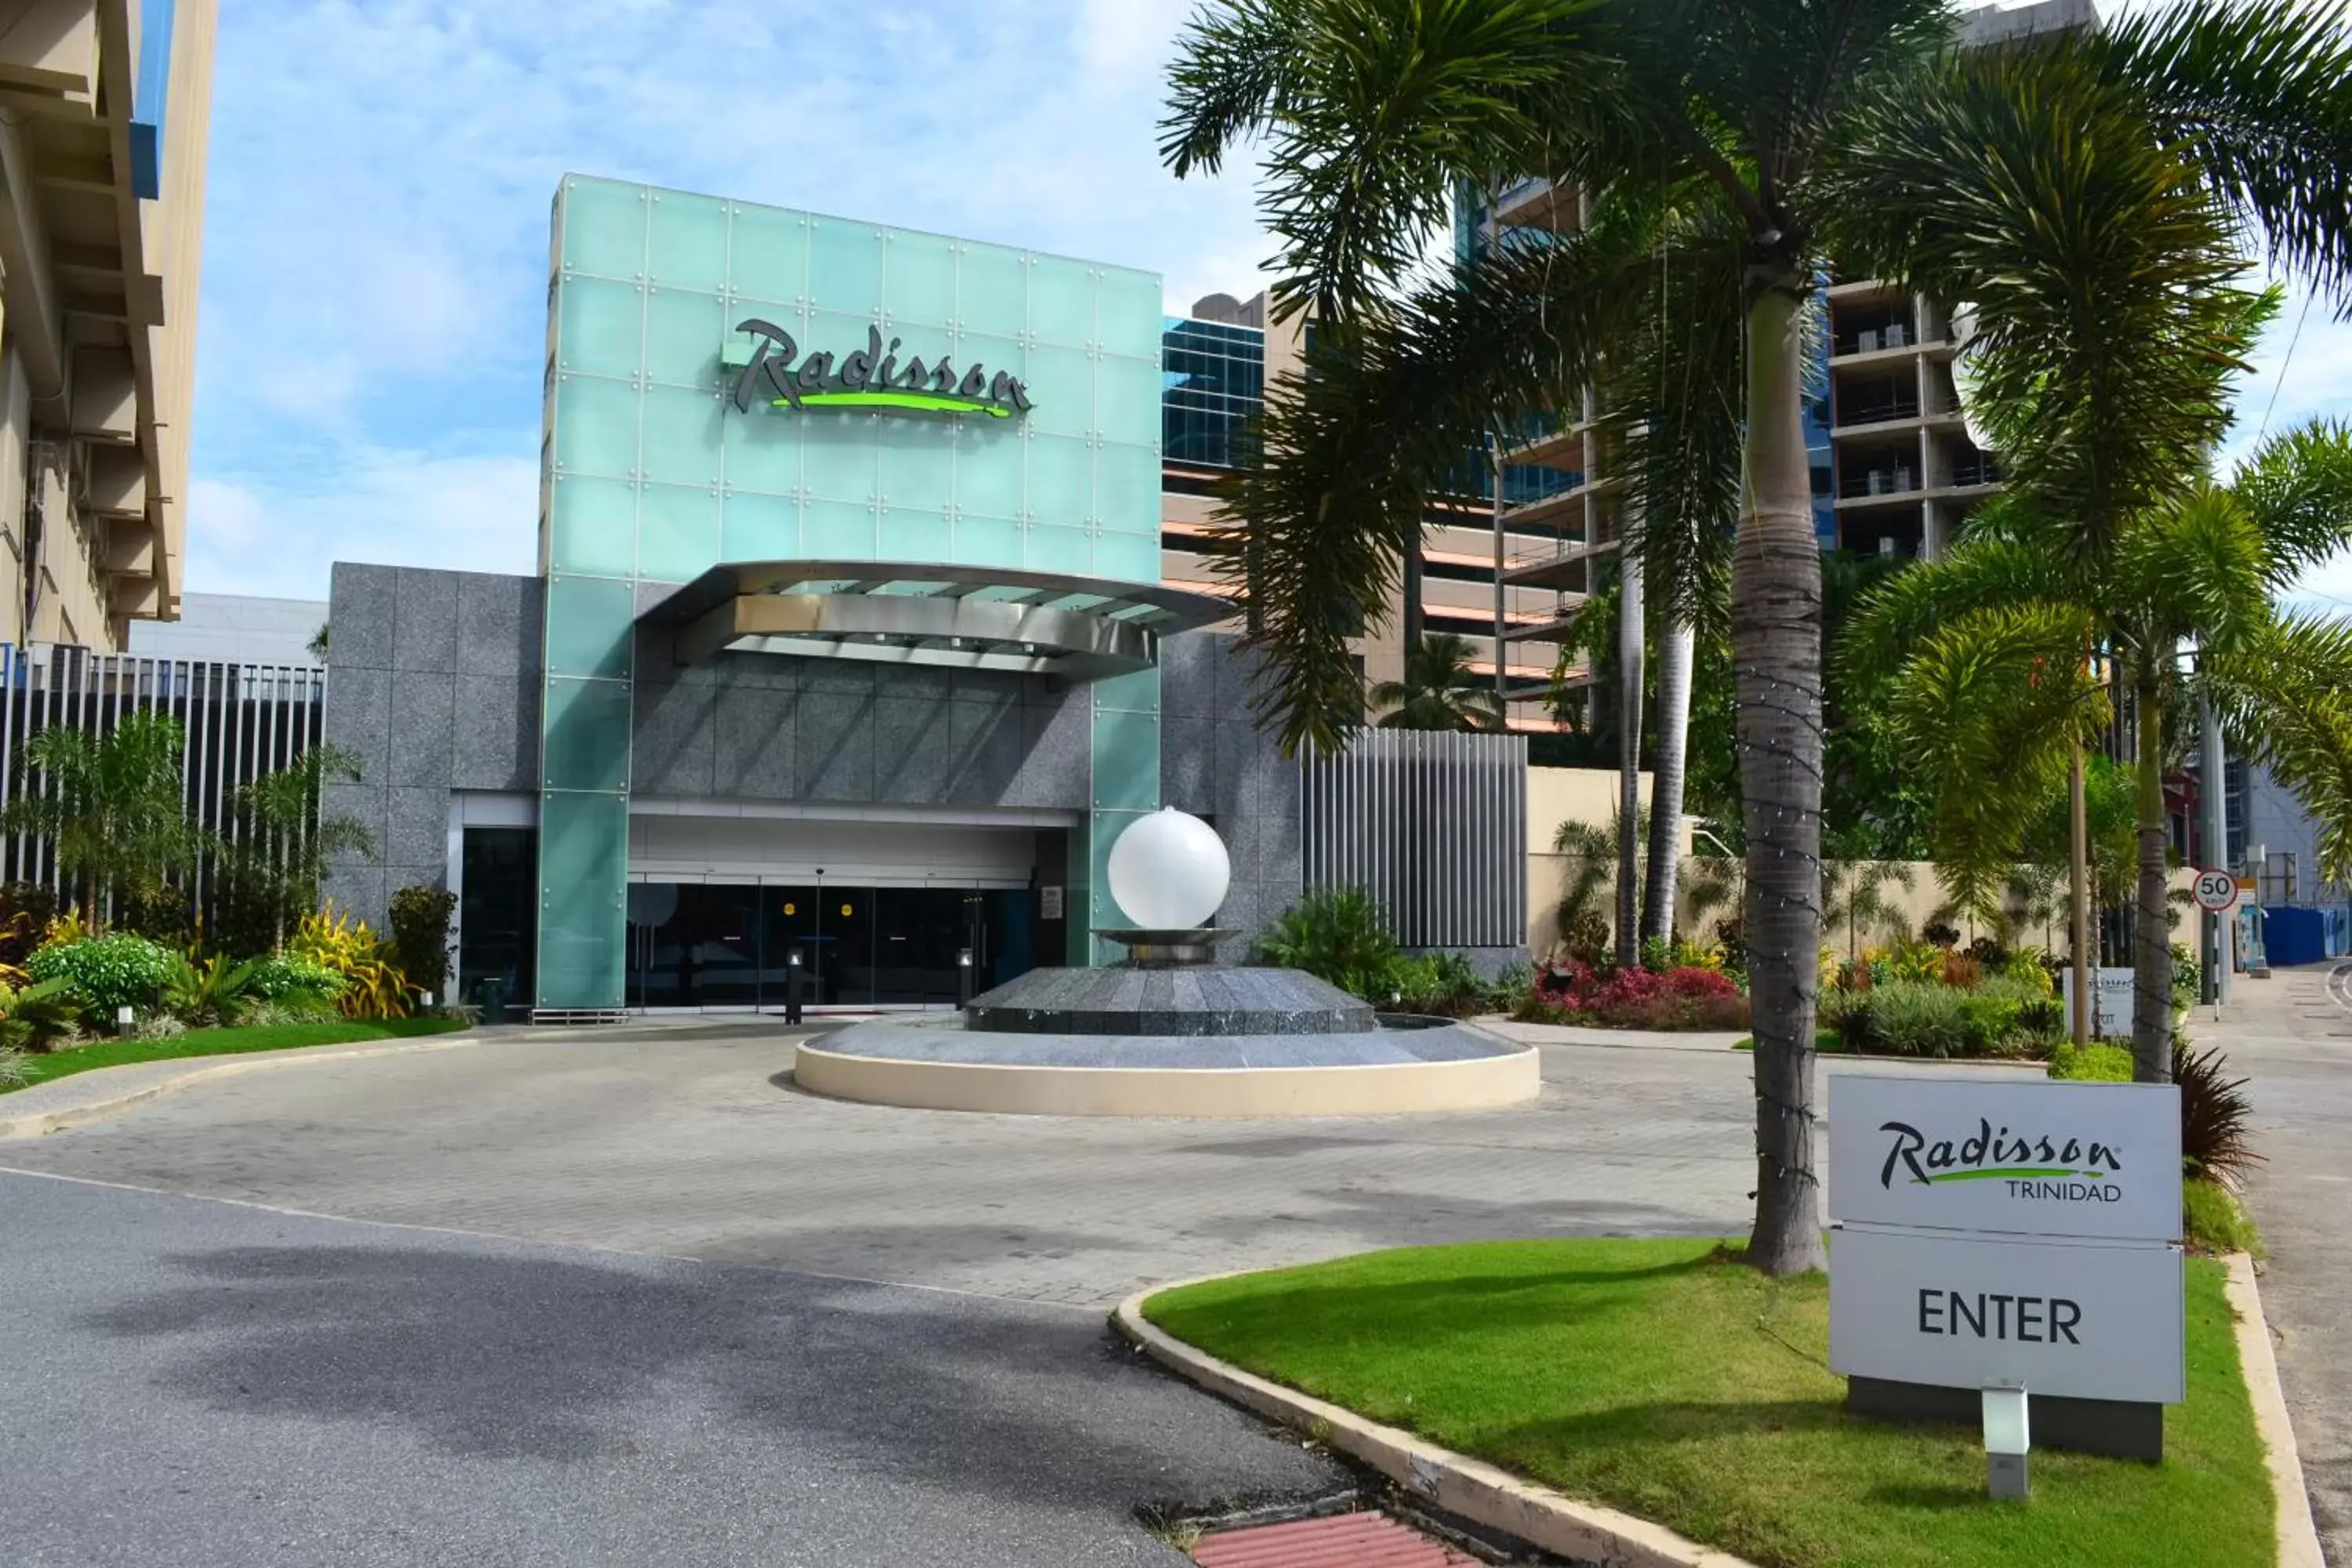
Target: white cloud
[[277, 535], [376, 235]]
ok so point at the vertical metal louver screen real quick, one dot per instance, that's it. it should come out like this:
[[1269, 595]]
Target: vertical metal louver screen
[[1434, 826], [241, 721]]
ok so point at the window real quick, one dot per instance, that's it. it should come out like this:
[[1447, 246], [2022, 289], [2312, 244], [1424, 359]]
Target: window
[[1213, 379]]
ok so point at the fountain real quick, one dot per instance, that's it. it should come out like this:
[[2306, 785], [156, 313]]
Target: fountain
[[1167, 1031]]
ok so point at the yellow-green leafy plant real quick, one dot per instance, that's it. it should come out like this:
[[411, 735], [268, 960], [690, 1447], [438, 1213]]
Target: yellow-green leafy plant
[[35, 1017], [373, 985]]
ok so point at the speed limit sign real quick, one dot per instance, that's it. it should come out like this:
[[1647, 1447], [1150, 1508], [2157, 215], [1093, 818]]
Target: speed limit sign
[[2216, 891]]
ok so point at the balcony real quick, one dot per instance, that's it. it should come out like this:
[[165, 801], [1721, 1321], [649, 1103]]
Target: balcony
[[1535, 203], [1879, 484]]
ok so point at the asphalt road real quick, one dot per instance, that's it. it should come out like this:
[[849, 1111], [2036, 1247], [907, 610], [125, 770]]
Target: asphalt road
[[2292, 1036], [188, 1382]]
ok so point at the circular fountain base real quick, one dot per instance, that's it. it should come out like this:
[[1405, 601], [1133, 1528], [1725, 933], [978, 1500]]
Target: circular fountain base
[[1142, 1040]]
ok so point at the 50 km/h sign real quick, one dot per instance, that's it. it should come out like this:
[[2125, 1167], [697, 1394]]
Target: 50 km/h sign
[[2217, 891]]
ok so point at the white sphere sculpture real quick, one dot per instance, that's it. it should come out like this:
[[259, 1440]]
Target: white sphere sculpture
[[1169, 871]]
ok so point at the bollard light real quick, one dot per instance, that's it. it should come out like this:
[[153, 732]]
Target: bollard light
[[2006, 1439], [124, 1019], [964, 957], [794, 958]]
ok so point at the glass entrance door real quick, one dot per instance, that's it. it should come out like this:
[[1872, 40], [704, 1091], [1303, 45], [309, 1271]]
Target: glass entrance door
[[719, 945]]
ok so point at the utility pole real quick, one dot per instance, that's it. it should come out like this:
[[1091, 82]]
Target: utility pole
[[2079, 803], [2214, 775]]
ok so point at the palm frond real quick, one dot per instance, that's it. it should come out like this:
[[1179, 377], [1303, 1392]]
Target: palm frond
[[1371, 111], [2100, 266], [2257, 97], [1993, 705], [2297, 487], [1984, 573]]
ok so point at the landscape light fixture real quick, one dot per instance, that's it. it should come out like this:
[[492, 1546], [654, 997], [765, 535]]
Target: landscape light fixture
[[2006, 1439]]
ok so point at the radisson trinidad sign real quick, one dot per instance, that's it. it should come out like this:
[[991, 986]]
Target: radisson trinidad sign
[[1997, 1234], [871, 377]]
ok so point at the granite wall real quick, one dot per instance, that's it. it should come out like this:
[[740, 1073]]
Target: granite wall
[[434, 683]]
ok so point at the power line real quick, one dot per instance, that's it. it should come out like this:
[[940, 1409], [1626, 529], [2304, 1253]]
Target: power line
[[2284, 365]]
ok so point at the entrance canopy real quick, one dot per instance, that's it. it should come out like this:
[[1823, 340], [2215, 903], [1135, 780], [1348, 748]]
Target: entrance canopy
[[974, 617]]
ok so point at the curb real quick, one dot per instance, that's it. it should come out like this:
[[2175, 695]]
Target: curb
[[2298, 1536], [202, 1068], [1454, 1483]]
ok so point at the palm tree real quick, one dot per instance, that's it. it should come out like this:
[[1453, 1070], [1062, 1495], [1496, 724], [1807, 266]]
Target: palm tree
[[1854, 895], [1995, 698], [2305, 738], [1800, 127], [1440, 691], [112, 806], [285, 843]]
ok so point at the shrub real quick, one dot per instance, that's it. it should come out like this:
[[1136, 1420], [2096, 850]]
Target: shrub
[[1909, 1018], [36, 1018], [1913, 961], [1990, 955], [118, 970], [2092, 1063], [2031, 966], [1684, 998], [2187, 979], [1337, 934], [215, 991], [2215, 1115], [1939, 933], [1962, 970], [290, 976], [420, 935], [14, 1067], [2213, 1218], [1442, 985], [1731, 941], [1657, 954], [373, 985], [1584, 935], [158, 1026], [297, 1008], [25, 911]]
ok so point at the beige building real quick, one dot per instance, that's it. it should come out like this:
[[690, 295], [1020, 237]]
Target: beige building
[[1218, 361], [1894, 472], [104, 110]]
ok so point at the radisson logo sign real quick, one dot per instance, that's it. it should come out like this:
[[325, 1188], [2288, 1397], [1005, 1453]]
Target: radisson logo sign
[[870, 378], [2034, 1165]]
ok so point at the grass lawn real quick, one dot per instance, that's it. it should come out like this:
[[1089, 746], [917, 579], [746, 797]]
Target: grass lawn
[[222, 1042], [1667, 1379]]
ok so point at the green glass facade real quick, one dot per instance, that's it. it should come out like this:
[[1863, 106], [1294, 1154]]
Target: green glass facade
[[652, 474]]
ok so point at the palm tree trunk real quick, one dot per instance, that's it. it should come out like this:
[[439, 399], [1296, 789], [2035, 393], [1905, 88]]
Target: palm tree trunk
[[2151, 921], [1678, 648], [1629, 760], [1776, 648]]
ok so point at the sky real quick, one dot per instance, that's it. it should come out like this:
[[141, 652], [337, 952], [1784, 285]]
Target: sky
[[372, 321]]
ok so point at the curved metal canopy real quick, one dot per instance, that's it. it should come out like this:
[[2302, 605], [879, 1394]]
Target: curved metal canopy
[[980, 618]]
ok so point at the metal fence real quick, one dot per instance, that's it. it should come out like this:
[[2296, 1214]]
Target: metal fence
[[1433, 825], [241, 721]]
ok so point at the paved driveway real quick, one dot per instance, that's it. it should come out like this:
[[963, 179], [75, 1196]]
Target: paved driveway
[[2292, 1035], [193, 1384], [679, 1144]]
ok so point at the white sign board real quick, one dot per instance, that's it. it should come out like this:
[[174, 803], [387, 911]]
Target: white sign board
[[2078, 1319], [2021, 1156], [2111, 1000], [2217, 891]]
